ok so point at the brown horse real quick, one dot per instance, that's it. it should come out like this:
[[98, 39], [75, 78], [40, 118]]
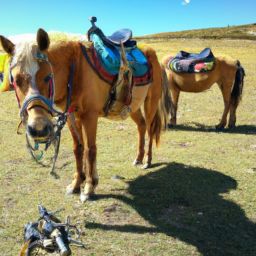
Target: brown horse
[[227, 73], [30, 66]]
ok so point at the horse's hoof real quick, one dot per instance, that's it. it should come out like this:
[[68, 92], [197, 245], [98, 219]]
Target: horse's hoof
[[231, 126], [87, 197], [170, 126], [219, 128], [70, 190], [137, 162], [146, 166], [83, 197]]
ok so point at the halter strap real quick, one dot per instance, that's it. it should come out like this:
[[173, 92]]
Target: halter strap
[[13, 83], [49, 102]]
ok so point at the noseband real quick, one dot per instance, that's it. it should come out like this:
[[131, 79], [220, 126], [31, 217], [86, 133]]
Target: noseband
[[50, 108]]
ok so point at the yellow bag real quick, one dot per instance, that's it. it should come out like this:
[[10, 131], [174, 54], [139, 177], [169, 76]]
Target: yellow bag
[[4, 68]]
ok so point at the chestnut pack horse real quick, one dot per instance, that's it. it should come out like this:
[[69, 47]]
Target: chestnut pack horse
[[31, 67], [227, 73]]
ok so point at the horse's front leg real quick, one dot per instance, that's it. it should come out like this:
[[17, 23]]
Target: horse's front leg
[[78, 148], [138, 118], [89, 124]]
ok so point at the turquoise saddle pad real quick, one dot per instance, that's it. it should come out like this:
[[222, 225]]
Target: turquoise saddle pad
[[110, 57]]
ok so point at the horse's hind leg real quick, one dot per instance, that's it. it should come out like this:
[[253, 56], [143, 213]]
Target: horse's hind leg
[[153, 125], [138, 118], [78, 148], [232, 116], [225, 88], [236, 94]]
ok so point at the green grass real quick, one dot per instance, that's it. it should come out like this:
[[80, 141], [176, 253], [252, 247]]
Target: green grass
[[198, 199]]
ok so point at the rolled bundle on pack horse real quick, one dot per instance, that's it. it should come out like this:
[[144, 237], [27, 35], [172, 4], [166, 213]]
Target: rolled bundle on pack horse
[[82, 86], [190, 72], [4, 72]]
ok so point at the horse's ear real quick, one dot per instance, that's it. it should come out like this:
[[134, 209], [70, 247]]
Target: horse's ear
[[42, 39], [7, 45]]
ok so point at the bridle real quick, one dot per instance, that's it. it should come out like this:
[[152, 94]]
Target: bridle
[[48, 105], [36, 96]]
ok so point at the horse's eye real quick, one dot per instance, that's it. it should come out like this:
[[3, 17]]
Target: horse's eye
[[27, 78], [21, 79]]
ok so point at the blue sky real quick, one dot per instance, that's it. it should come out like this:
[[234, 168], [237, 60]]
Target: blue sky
[[142, 16]]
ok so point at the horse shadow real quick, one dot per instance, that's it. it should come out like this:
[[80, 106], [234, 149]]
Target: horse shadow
[[187, 203], [198, 127]]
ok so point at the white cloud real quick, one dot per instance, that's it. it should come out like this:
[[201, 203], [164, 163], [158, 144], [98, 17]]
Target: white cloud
[[32, 37], [22, 37], [186, 2]]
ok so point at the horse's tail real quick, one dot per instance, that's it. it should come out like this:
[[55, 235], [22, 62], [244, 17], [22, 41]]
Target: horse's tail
[[166, 103], [161, 117], [237, 91]]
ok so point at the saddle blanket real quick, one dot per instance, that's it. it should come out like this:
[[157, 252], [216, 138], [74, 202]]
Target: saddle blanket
[[185, 62], [110, 57], [103, 72]]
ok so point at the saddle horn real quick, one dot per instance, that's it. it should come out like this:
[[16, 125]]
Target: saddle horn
[[93, 20]]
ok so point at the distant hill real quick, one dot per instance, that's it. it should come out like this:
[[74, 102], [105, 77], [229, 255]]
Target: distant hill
[[229, 32]]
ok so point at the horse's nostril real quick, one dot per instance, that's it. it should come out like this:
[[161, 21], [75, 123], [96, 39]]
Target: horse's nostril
[[47, 130], [33, 132]]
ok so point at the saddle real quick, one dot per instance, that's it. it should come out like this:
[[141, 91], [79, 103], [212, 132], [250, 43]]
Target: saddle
[[118, 61], [108, 50], [185, 62], [122, 36]]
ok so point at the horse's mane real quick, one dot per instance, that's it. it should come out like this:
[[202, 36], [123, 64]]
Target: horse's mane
[[227, 59], [24, 56], [65, 50], [25, 51]]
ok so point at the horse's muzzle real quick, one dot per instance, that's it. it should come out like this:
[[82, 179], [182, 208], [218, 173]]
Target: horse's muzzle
[[43, 134]]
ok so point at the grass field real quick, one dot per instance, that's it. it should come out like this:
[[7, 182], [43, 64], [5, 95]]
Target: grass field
[[198, 199]]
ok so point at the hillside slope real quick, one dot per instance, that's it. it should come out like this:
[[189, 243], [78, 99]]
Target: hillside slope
[[229, 32]]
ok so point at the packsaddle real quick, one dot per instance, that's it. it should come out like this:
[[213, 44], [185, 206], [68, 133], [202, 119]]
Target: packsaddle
[[185, 62]]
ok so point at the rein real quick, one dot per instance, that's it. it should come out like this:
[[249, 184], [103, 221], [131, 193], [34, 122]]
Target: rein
[[50, 107]]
